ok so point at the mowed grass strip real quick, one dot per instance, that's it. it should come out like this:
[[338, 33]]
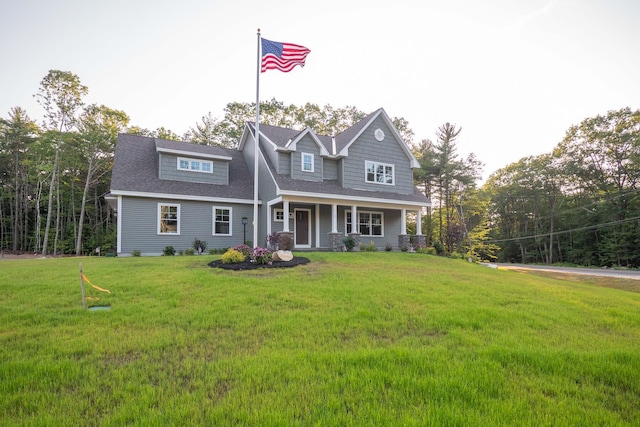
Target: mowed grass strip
[[348, 339]]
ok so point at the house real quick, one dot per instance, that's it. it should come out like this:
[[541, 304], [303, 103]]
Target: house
[[315, 188]]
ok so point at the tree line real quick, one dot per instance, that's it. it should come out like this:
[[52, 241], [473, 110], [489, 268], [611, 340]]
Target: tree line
[[578, 204]]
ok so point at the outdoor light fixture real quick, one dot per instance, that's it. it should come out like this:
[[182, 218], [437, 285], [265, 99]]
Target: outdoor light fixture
[[244, 231]]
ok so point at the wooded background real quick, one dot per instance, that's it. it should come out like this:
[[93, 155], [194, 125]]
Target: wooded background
[[578, 204]]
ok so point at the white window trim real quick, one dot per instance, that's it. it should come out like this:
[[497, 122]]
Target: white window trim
[[375, 164], [191, 161], [275, 215], [213, 221], [159, 218], [348, 212], [302, 162]]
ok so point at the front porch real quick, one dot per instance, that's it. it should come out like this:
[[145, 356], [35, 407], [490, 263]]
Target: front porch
[[318, 225]]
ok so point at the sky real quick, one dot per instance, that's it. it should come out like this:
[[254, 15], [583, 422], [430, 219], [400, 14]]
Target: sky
[[514, 75]]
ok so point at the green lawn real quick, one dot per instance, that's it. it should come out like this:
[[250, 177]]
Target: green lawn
[[348, 339]]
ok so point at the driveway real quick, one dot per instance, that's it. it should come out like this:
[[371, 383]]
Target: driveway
[[603, 272]]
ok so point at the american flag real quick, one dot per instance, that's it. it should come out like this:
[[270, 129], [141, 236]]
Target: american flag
[[282, 56]]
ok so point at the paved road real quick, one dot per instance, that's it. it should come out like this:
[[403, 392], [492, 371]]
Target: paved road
[[623, 274]]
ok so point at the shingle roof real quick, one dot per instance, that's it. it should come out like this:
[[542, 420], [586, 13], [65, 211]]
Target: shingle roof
[[135, 169]]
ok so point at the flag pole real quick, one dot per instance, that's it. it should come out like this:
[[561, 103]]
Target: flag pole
[[256, 151]]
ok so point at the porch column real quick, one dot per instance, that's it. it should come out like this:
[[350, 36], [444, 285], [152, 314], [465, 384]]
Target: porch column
[[317, 221], [355, 230], [285, 214], [404, 240], [335, 238], [419, 240], [334, 218]]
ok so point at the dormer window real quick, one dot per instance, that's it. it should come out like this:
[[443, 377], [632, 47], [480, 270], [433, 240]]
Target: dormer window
[[307, 162], [193, 165]]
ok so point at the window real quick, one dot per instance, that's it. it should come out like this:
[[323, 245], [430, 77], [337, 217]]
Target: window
[[222, 221], [369, 223], [379, 173], [278, 215], [307, 162], [194, 165], [168, 219]]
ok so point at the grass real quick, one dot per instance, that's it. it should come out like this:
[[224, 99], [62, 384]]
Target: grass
[[348, 339]]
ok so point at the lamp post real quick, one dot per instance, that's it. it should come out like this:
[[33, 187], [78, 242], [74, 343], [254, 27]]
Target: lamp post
[[244, 229]]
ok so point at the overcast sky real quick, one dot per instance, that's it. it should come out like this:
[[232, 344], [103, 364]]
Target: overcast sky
[[515, 75]]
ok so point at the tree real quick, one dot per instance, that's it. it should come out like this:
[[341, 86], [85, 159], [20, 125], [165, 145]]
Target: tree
[[602, 154], [60, 95], [451, 175], [98, 130], [204, 132], [16, 136]]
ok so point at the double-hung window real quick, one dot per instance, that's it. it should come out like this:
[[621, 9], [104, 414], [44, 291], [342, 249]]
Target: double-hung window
[[307, 162], [221, 221], [369, 223], [168, 218], [379, 173]]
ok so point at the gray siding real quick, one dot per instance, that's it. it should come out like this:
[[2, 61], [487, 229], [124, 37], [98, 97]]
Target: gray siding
[[169, 170], [330, 169], [273, 155], [139, 218], [284, 165], [306, 145], [387, 151]]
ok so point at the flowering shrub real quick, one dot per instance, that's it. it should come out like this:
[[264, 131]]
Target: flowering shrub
[[261, 256], [232, 256], [244, 250]]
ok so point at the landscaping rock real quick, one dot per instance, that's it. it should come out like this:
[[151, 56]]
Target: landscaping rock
[[282, 256]]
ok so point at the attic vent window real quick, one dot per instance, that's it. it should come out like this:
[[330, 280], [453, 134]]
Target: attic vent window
[[378, 134]]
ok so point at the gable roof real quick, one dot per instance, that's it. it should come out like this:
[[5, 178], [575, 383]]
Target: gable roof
[[333, 146], [350, 135], [135, 170]]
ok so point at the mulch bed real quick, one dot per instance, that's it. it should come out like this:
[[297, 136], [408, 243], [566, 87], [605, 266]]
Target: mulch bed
[[253, 266]]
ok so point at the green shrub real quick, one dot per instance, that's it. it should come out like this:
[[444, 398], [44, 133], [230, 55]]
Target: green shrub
[[189, 251], [136, 252], [428, 250], [216, 251], [244, 249], [232, 256], [349, 243], [388, 247], [169, 251], [439, 247], [371, 247], [199, 246]]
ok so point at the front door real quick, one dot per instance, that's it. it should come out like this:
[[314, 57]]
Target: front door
[[302, 228]]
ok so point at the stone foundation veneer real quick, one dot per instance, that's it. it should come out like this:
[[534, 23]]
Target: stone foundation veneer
[[404, 241], [335, 242], [419, 240]]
